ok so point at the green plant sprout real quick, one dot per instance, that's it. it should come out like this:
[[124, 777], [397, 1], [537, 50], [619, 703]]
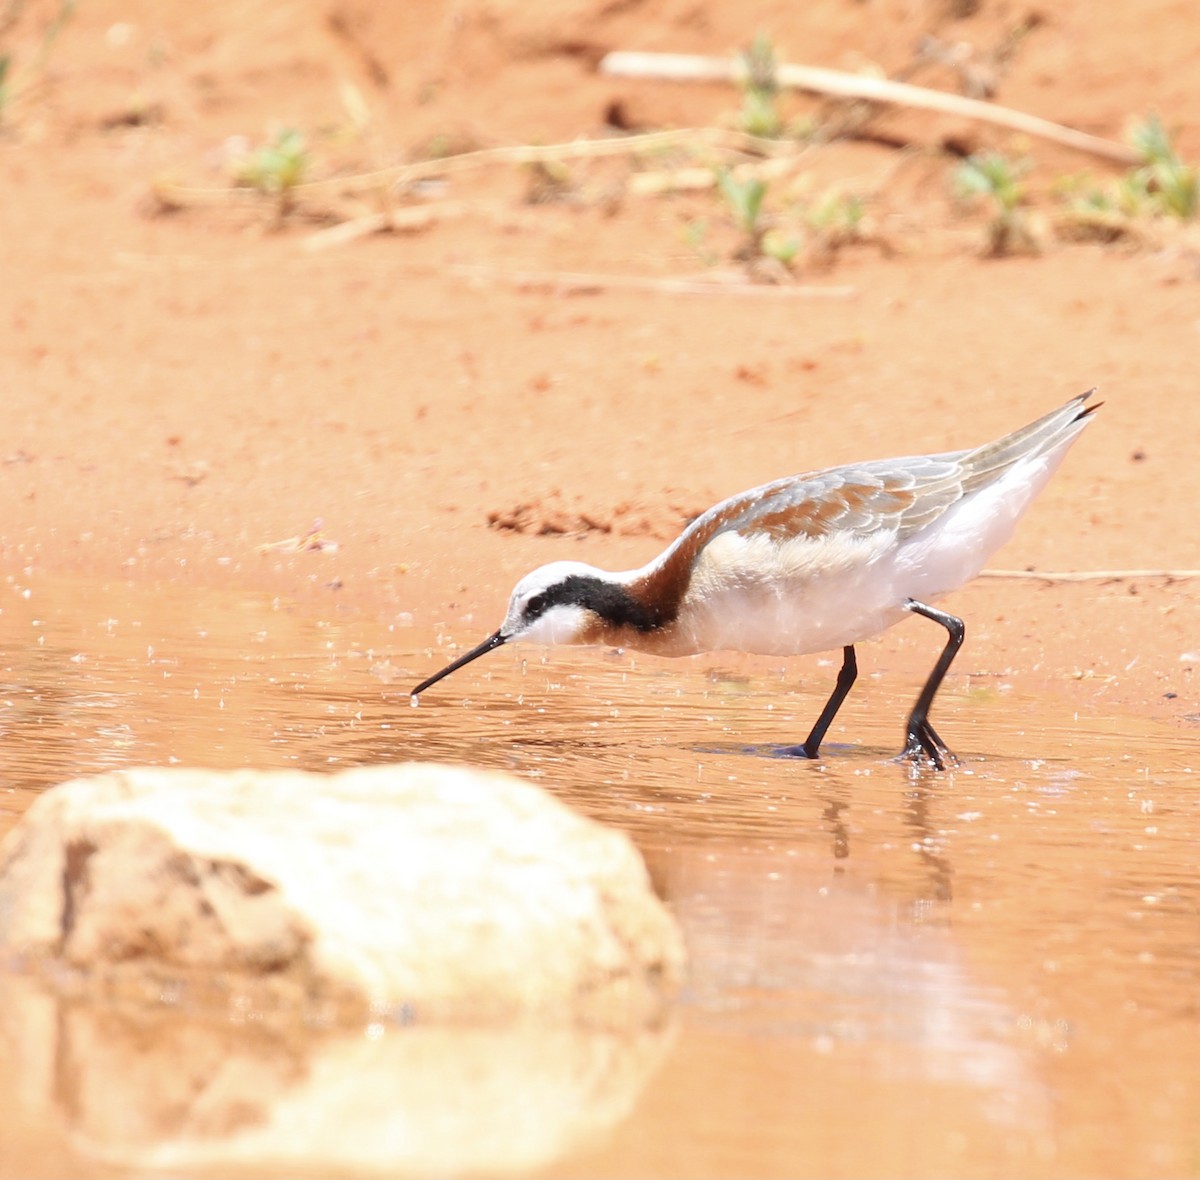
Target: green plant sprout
[[759, 115], [1091, 212], [1163, 183], [745, 198], [836, 219], [745, 201], [997, 179], [818, 230], [780, 246], [1160, 190], [277, 167]]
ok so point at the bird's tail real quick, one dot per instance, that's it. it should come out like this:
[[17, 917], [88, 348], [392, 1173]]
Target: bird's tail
[[1057, 429]]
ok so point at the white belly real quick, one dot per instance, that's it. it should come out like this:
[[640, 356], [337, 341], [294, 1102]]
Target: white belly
[[756, 595]]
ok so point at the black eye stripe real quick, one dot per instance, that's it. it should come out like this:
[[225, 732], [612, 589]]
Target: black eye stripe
[[611, 602]]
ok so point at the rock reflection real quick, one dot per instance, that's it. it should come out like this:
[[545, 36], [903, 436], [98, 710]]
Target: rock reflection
[[162, 1089]]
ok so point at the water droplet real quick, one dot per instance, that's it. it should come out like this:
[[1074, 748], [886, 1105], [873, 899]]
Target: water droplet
[[414, 701]]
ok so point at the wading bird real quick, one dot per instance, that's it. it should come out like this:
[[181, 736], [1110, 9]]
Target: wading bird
[[808, 563]]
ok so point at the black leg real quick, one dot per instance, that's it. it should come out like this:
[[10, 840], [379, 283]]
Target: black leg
[[922, 738], [845, 680]]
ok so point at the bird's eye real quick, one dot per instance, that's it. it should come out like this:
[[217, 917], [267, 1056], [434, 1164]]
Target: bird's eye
[[535, 606]]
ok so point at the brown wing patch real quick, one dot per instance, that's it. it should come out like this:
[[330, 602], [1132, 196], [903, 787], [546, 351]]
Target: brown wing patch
[[853, 506]]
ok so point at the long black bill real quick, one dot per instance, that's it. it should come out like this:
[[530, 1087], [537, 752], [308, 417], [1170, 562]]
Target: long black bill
[[489, 644]]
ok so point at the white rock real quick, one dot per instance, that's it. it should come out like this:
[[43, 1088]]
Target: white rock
[[420, 890]]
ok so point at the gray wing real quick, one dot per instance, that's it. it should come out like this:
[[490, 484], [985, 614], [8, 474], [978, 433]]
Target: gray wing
[[895, 495], [900, 496]]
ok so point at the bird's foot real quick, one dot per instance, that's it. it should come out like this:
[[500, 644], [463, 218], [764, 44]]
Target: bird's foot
[[924, 743]]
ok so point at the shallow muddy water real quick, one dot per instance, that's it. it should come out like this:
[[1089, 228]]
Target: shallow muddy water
[[991, 971]]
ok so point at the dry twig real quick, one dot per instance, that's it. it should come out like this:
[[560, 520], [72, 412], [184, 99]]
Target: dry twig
[[176, 196], [567, 282], [1092, 575], [684, 67], [407, 220]]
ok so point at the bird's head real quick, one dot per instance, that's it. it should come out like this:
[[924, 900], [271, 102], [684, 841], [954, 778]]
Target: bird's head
[[563, 602], [555, 604]]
